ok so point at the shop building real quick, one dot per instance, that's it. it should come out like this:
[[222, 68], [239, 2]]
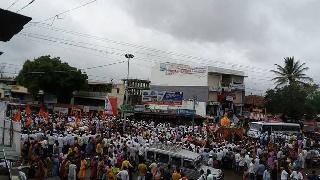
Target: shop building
[[219, 89], [94, 97]]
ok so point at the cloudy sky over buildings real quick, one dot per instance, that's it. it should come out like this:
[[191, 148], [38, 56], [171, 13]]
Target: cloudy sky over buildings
[[245, 35]]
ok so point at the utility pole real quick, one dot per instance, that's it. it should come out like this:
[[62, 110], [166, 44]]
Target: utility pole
[[194, 111], [128, 56]]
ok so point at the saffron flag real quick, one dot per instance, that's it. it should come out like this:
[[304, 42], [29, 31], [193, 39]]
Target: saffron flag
[[41, 111], [17, 116], [28, 122], [28, 110]]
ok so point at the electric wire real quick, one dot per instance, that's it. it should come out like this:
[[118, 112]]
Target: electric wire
[[16, 1], [26, 6]]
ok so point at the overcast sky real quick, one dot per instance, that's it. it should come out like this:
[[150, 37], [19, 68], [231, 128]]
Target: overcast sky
[[247, 35]]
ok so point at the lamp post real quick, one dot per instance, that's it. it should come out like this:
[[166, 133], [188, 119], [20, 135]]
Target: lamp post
[[128, 56]]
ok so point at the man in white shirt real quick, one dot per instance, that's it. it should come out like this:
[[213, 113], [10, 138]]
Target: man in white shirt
[[251, 170], [123, 174], [284, 174], [237, 159], [210, 176], [210, 161], [296, 175], [72, 172]]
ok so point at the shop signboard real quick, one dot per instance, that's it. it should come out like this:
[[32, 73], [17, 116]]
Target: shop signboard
[[229, 98], [61, 110], [86, 109], [172, 69], [139, 108], [162, 97], [186, 112], [237, 86], [126, 108]]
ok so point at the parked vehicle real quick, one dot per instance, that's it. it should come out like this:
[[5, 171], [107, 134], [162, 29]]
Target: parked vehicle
[[189, 162], [258, 128]]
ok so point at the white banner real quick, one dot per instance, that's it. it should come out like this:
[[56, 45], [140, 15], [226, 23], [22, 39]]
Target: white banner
[[3, 109]]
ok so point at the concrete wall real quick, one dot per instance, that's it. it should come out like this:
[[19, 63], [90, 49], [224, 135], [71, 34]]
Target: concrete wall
[[214, 80], [188, 91], [239, 97], [213, 96], [163, 78]]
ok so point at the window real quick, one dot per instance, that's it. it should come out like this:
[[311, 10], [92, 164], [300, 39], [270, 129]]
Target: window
[[150, 155], [176, 161], [118, 90], [276, 128], [163, 158], [291, 128], [188, 164], [255, 126], [266, 128]]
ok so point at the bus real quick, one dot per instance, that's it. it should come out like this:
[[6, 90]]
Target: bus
[[258, 128]]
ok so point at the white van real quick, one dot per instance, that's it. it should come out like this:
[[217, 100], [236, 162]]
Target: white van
[[189, 162], [258, 128]]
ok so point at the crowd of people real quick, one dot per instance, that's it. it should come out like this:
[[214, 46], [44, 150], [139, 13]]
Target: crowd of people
[[104, 148]]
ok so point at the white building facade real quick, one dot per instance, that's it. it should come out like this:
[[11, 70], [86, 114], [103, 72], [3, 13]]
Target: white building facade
[[217, 89]]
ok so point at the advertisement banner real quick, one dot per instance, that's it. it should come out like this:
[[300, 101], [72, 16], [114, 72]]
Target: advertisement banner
[[162, 97], [172, 69], [111, 105]]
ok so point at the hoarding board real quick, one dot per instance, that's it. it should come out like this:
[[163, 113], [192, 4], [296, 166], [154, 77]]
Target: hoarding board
[[172, 68], [162, 97]]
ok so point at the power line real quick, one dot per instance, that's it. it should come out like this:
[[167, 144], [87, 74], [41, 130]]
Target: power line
[[105, 65], [117, 49], [149, 49], [65, 12], [68, 43], [26, 5], [12, 4], [64, 41]]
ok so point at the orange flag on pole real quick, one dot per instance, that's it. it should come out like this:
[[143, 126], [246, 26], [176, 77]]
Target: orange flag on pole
[[41, 111], [17, 116], [28, 122], [28, 110]]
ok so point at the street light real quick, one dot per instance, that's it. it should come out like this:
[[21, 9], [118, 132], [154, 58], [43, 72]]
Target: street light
[[128, 56]]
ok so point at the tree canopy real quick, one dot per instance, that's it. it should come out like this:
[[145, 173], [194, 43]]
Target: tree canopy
[[293, 72], [52, 76], [294, 95]]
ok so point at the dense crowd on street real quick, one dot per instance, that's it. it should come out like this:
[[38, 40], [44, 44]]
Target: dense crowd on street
[[104, 148]]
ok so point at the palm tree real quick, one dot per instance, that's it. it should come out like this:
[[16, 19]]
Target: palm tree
[[291, 73]]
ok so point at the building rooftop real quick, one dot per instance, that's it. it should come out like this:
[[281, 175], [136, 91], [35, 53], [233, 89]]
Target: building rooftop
[[219, 70]]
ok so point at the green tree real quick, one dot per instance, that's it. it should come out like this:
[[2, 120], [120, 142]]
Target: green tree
[[293, 101], [293, 72], [52, 76]]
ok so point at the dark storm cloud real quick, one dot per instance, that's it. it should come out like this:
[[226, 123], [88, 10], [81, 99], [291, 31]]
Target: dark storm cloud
[[214, 21]]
